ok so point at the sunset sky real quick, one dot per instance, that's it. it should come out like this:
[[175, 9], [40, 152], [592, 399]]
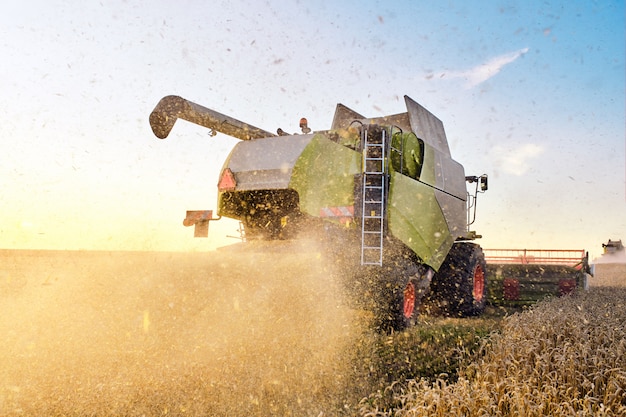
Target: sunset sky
[[530, 93]]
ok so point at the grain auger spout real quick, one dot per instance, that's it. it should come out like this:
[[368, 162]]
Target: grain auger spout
[[172, 108]]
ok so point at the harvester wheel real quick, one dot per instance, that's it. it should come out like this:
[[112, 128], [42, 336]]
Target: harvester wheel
[[400, 300], [459, 288], [397, 306]]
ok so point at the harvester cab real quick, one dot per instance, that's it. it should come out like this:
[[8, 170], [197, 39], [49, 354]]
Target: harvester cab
[[383, 192]]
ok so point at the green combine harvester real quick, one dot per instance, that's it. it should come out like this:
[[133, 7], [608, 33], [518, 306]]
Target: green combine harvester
[[382, 195]]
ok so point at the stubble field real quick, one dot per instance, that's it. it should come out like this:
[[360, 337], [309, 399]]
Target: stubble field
[[228, 333]]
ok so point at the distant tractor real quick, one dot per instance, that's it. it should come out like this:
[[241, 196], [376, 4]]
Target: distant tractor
[[383, 195]]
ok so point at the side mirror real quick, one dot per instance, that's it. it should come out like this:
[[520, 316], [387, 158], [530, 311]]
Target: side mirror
[[483, 182]]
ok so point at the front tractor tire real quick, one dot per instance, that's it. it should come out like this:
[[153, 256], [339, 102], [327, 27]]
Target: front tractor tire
[[459, 288]]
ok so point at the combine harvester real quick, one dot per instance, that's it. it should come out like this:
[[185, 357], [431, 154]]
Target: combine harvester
[[382, 195], [609, 270], [525, 276]]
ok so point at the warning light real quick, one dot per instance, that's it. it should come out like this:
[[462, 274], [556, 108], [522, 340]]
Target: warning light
[[304, 125], [227, 181]]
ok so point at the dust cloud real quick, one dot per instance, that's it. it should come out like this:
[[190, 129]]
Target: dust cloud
[[618, 257], [231, 332]]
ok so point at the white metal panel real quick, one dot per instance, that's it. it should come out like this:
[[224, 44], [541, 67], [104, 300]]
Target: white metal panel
[[427, 126], [266, 164]]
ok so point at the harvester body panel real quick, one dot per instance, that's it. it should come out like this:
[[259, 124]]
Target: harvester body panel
[[267, 163], [427, 126], [324, 177], [416, 219]]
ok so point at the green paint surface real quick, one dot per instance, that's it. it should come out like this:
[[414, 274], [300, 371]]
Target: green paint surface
[[416, 219], [323, 175]]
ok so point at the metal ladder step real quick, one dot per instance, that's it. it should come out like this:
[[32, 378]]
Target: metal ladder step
[[373, 198]]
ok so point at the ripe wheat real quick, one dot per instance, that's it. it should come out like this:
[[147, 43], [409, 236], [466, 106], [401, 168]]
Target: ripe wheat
[[563, 357]]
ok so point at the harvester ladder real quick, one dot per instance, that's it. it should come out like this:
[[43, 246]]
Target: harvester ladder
[[373, 197]]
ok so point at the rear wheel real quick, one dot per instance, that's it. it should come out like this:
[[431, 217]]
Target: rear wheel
[[459, 288], [401, 294], [393, 292]]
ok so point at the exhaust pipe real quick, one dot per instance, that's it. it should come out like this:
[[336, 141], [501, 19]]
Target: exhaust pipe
[[171, 108]]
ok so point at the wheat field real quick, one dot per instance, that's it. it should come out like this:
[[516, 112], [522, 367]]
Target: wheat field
[[262, 334], [563, 357], [170, 334]]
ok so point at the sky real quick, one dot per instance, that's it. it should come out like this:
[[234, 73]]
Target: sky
[[531, 93]]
